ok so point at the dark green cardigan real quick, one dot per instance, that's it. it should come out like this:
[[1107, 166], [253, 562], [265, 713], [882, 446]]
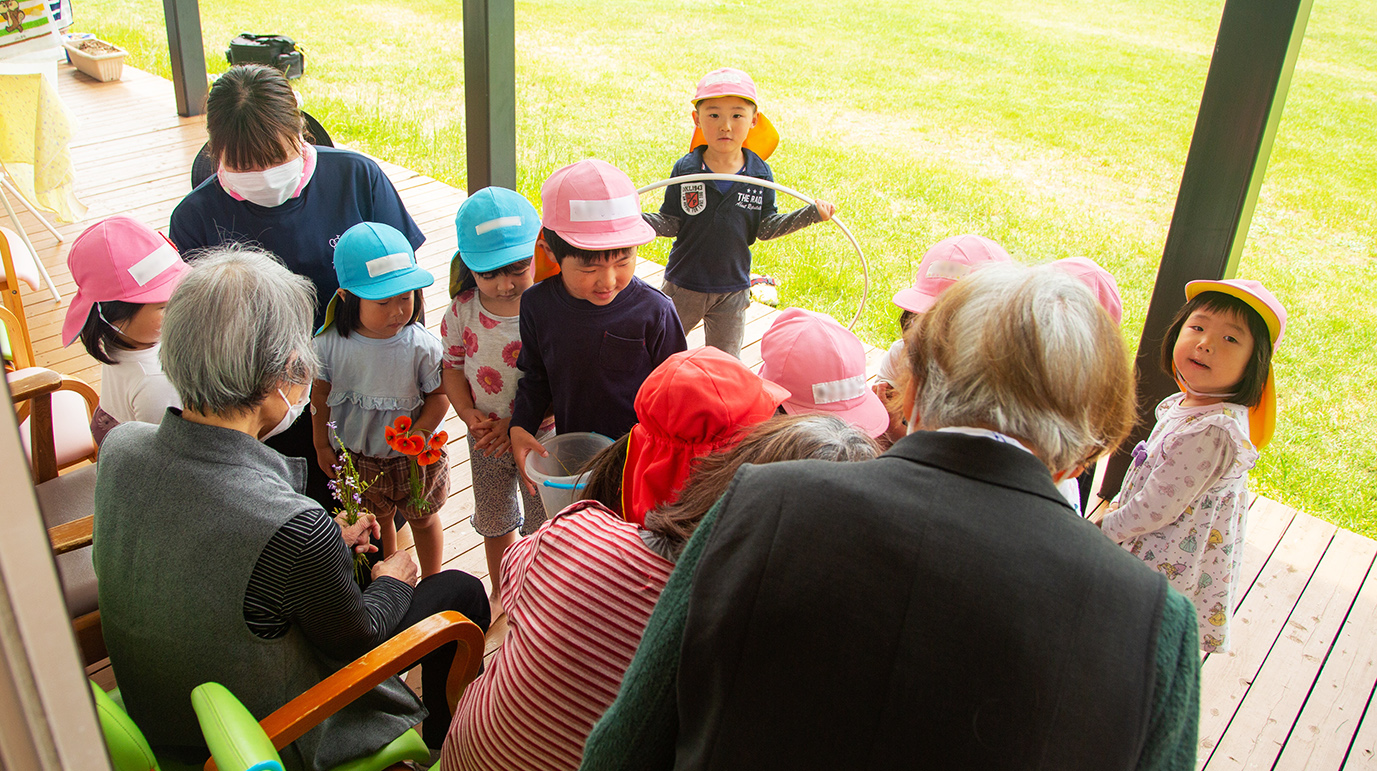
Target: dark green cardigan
[[639, 730]]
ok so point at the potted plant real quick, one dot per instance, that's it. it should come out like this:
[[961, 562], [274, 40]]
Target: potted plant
[[97, 58]]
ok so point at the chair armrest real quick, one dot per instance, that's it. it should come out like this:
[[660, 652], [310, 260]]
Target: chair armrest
[[32, 381], [71, 536], [230, 730], [362, 675], [76, 384]]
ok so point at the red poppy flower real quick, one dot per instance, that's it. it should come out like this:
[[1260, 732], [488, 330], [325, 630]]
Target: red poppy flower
[[427, 457], [403, 423], [438, 440], [410, 445]]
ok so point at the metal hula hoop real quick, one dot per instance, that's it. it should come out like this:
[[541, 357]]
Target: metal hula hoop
[[706, 177]]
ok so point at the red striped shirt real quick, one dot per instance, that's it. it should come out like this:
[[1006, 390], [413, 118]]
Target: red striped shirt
[[578, 594]]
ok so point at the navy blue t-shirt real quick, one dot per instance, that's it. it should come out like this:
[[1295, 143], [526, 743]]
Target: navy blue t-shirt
[[712, 252], [588, 361], [347, 188]]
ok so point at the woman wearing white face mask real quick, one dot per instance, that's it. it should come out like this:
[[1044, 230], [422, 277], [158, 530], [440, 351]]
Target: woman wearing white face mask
[[277, 191], [211, 565]]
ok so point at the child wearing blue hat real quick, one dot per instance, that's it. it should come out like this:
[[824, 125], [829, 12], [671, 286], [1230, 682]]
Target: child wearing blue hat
[[497, 231], [379, 363]]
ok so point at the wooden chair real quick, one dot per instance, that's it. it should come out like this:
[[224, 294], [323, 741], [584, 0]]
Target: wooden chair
[[17, 264], [67, 501], [239, 743]]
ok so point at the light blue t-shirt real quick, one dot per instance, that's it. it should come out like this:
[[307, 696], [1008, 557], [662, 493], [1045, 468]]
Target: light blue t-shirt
[[372, 382]]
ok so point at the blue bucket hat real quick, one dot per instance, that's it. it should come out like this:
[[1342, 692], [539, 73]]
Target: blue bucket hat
[[375, 261], [496, 227]]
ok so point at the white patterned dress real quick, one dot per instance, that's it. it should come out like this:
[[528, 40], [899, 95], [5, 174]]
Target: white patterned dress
[[1183, 507]]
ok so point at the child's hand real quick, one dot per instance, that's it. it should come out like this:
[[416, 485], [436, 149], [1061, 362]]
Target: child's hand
[[524, 444], [495, 442], [472, 417], [327, 459], [825, 209]]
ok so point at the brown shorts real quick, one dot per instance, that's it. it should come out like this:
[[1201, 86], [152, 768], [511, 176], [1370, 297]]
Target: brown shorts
[[390, 491]]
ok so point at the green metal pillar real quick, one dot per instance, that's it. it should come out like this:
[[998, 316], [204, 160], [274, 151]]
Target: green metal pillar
[[188, 55], [1245, 90], [490, 92]]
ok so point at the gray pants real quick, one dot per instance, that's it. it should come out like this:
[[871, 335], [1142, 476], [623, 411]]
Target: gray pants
[[723, 315]]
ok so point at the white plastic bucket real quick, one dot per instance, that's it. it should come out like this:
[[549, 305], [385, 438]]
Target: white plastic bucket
[[557, 476]]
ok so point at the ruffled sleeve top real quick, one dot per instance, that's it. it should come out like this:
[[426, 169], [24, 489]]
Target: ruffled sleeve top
[[372, 382]]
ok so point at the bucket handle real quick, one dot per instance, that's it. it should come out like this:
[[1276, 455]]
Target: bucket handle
[[563, 485]]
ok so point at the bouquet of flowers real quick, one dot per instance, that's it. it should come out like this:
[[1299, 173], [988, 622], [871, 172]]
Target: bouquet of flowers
[[422, 452], [348, 489]]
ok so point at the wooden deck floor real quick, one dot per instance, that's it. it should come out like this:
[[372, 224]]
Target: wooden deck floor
[[1293, 694]]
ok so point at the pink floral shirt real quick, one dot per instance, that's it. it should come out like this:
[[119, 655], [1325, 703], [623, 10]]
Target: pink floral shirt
[[1183, 507], [484, 347]]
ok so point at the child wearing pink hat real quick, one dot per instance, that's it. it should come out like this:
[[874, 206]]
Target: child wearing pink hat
[[1184, 503], [822, 364], [592, 333], [713, 224], [942, 266], [124, 272]]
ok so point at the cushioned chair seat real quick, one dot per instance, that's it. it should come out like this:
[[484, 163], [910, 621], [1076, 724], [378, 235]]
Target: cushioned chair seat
[[67, 498], [71, 429]]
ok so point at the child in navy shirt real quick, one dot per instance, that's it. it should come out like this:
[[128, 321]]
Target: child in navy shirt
[[591, 334], [714, 223]]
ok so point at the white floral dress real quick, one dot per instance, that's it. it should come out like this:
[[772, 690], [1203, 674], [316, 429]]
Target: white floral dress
[[1184, 503]]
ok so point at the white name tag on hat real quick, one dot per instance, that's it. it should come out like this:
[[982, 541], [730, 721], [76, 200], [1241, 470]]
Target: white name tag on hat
[[500, 222], [388, 264], [605, 209], [153, 265], [948, 269], [838, 390]]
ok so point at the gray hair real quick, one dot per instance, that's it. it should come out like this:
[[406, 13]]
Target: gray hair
[[1027, 352], [237, 326]]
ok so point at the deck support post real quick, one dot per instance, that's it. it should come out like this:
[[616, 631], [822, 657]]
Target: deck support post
[[490, 92], [188, 55], [1245, 90]]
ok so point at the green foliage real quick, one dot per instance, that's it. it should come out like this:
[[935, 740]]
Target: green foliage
[[1057, 128]]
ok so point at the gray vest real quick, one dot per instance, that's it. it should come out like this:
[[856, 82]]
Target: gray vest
[[183, 512]]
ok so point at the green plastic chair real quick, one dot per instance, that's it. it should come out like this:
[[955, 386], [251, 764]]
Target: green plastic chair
[[237, 742]]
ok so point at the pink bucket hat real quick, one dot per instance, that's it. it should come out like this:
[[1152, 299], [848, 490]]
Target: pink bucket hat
[[823, 366], [726, 82], [947, 261], [1100, 281], [121, 259], [593, 205]]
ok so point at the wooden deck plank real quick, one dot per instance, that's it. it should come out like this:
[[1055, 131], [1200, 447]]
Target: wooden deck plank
[[1363, 753], [1334, 710], [1225, 680], [1259, 730]]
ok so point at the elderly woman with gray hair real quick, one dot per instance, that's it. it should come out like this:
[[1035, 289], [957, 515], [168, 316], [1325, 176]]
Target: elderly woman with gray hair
[[940, 606], [211, 564]]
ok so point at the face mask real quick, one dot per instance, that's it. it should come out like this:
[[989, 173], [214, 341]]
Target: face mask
[[293, 412], [270, 187]]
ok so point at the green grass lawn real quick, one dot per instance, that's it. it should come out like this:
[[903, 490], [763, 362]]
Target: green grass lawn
[[1058, 128]]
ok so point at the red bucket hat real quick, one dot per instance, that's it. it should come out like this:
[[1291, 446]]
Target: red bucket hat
[[695, 403]]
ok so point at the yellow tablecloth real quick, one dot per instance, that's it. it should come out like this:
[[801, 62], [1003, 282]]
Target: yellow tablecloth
[[35, 130]]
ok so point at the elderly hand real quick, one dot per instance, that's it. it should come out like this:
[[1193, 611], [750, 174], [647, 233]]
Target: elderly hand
[[401, 566], [358, 536]]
